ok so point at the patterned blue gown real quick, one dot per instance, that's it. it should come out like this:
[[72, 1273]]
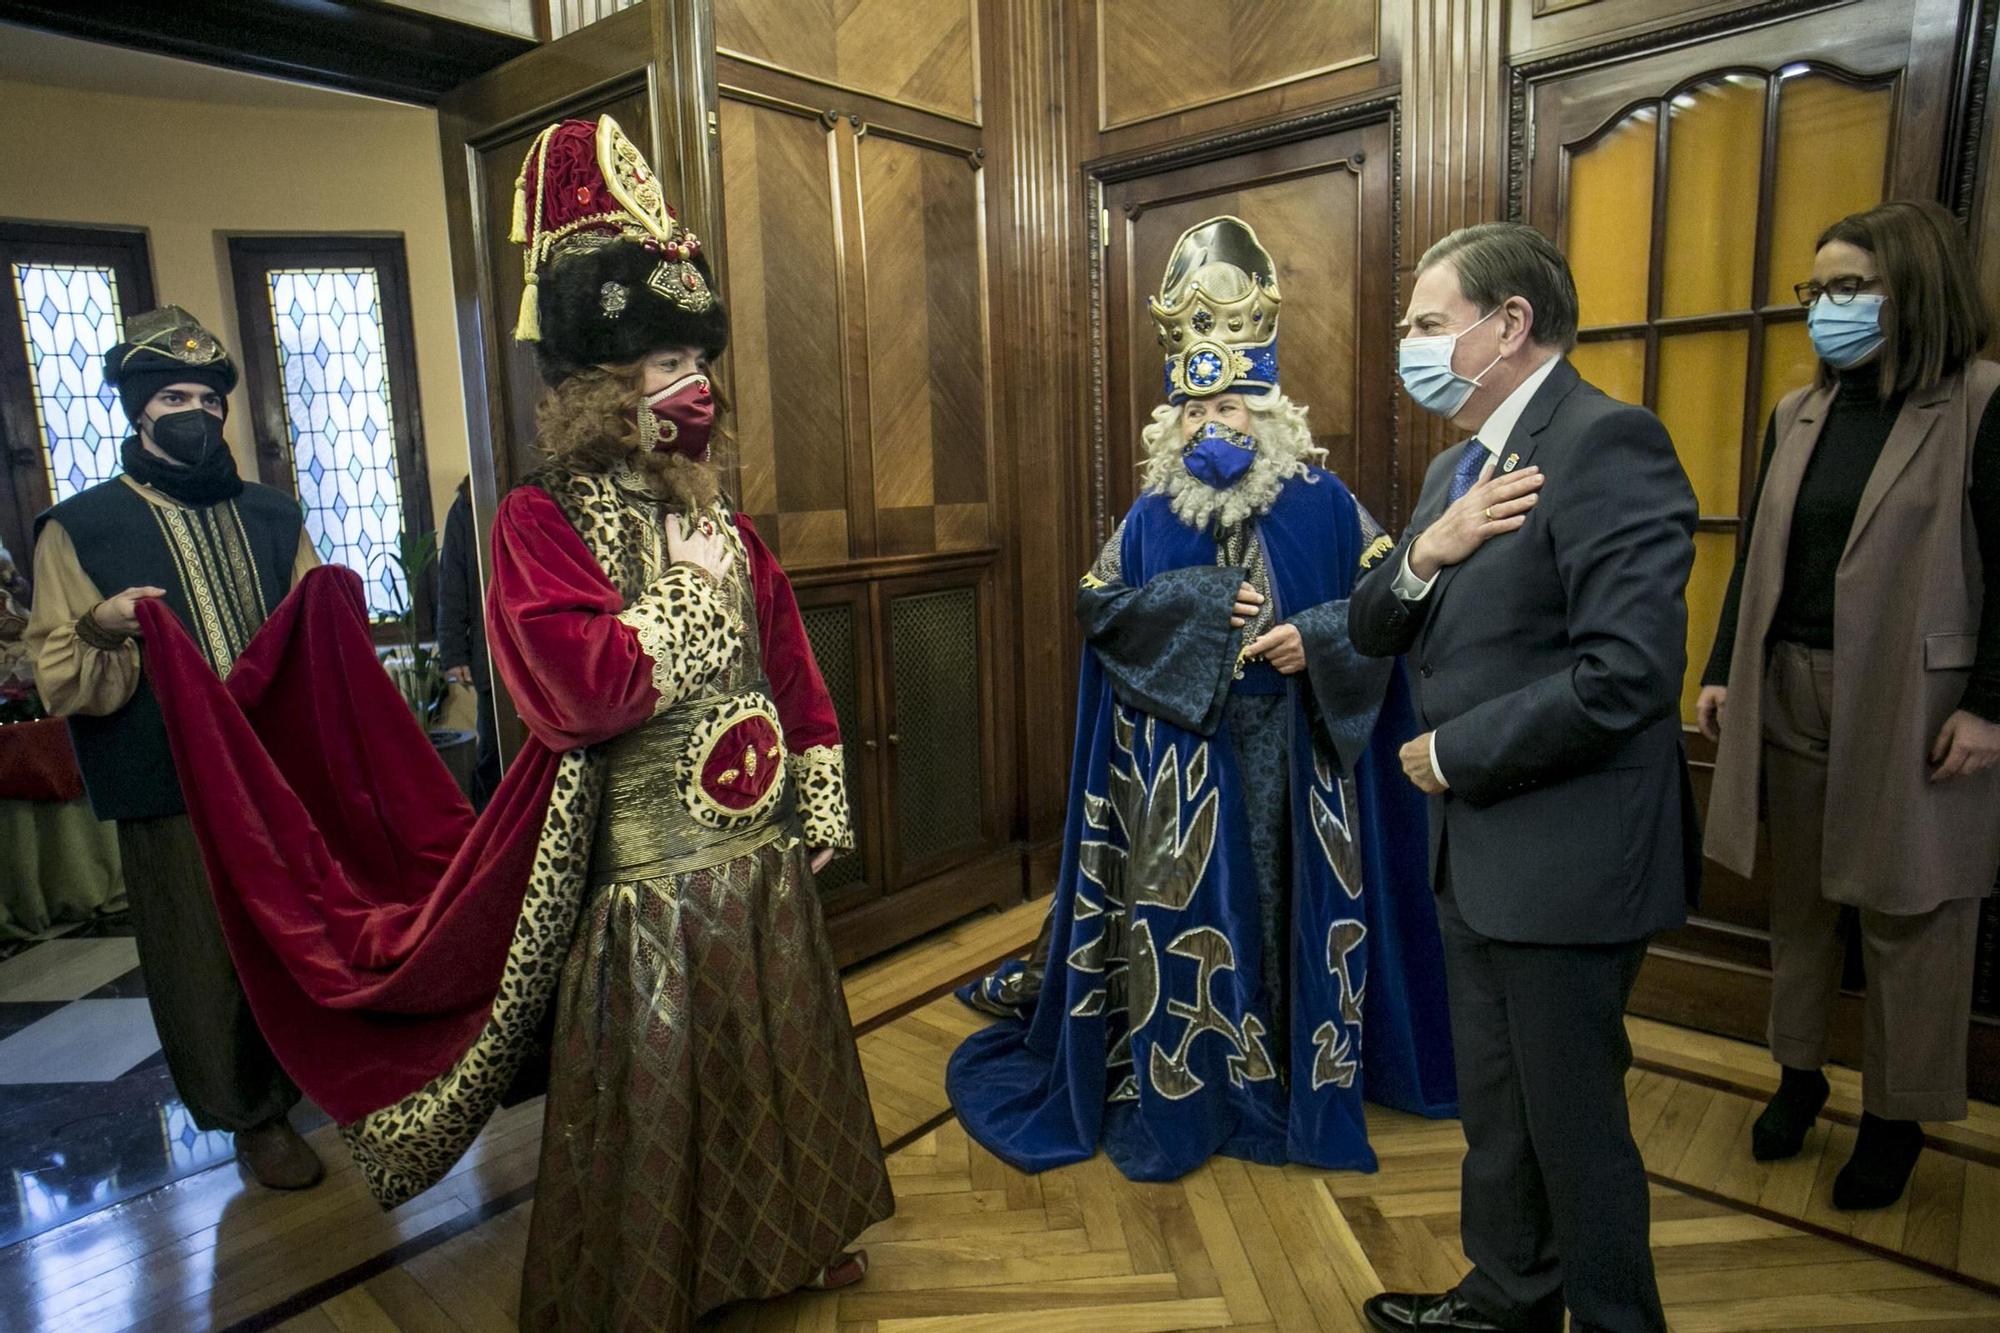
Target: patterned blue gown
[[1243, 941]]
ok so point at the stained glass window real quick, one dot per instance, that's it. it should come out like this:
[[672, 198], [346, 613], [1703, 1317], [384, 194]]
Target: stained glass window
[[328, 326], [69, 319]]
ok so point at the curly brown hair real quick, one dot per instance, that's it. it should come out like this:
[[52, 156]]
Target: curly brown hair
[[589, 422]]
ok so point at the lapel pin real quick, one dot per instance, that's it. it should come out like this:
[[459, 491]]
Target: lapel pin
[[1512, 460]]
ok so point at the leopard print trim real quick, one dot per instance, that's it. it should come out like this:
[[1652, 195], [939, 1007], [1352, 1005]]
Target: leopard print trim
[[405, 1149], [688, 625], [819, 781]]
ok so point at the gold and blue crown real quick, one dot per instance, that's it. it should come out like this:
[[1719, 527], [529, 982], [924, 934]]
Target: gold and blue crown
[[1217, 312]]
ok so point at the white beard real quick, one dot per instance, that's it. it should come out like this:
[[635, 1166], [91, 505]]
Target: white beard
[[1200, 505], [1285, 449]]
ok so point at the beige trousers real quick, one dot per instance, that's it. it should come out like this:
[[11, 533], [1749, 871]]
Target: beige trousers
[[1919, 968]]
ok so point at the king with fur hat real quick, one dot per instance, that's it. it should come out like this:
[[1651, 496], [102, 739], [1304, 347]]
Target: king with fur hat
[[646, 630]]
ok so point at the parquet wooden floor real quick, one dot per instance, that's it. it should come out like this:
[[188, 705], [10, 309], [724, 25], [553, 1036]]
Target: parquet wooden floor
[[977, 1246]]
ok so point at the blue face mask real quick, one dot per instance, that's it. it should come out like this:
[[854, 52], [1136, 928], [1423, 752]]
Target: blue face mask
[[1846, 335], [1424, 366], [1219, 456]]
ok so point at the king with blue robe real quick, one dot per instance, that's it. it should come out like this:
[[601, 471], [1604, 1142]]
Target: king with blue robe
[[1243, 942]]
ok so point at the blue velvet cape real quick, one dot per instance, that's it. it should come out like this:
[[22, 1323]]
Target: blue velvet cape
[[1153, 1031]]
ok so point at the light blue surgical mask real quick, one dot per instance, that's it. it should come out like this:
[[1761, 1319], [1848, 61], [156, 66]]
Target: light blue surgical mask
[[1846, 335], [1424, 366]]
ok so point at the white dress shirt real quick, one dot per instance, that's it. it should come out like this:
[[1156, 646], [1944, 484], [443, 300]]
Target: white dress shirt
[[1494, 435]]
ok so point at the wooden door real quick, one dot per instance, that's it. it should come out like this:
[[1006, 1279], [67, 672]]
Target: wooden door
[[1323, 208], [1688, 188], [628, 66], [486, 127]]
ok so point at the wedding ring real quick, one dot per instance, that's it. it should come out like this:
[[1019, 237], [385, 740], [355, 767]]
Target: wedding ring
[[1488, 511]]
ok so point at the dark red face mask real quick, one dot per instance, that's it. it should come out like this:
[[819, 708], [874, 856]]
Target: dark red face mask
[[678, 419]]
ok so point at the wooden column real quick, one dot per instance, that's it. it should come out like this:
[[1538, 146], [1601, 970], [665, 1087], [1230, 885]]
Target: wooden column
[[1038, 312], [1453, 146]]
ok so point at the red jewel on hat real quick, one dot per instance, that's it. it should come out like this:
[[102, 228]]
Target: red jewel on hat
[[583, 194], [670, 211], [688, 280]]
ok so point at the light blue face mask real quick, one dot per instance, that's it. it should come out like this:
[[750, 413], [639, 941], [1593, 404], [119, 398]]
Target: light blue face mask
[[1846, 335], [1424, 366]]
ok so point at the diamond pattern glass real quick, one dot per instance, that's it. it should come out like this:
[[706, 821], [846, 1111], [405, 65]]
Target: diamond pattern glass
[[328, 327], [69, 319]]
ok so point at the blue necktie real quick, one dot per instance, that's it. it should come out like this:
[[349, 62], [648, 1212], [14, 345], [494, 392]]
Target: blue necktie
[[1467, 473]]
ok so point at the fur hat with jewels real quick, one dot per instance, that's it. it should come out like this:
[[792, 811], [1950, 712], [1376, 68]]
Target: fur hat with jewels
[[611, 273]]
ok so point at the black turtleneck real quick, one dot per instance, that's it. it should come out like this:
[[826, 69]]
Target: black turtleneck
[[1850, 443]]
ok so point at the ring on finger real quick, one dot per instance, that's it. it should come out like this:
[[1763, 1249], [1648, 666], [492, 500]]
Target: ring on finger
[[1488, 511]]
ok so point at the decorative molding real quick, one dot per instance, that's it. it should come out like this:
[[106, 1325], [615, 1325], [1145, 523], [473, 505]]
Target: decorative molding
[[823, 81], [1969, 134], [1269, 134], [1521, 77], [1399, 504], [1100, 502]]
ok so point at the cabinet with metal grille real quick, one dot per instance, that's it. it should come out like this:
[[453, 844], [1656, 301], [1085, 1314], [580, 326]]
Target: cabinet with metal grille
[[908, 664]]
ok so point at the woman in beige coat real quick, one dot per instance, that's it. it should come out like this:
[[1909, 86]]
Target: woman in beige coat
[[1855, 684]]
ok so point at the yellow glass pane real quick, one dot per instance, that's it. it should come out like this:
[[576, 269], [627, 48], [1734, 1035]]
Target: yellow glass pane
[[1701, 400], [1833, 156], [1610, 221], [1789, 363], [1714, 556], [1715, 153], [1617, 366]]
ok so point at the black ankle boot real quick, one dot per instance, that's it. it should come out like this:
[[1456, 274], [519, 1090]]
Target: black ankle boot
[[1781, 1131], [1885, 1152]]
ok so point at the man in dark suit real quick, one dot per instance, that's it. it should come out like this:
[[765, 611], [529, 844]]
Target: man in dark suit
[[1539, 593]]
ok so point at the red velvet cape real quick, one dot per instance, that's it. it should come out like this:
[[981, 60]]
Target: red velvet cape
[[368, 914]]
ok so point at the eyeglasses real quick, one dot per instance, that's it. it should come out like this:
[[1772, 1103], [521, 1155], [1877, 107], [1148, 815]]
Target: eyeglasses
[[1841, 291]]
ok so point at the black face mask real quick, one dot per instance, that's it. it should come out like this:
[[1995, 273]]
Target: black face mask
[[189, 438]]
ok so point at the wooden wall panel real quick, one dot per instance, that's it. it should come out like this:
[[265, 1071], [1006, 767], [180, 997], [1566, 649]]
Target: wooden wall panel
[[921, 234], [1453, 150], [784, 367], [1040, 238], [917, 53], [1157, 57]]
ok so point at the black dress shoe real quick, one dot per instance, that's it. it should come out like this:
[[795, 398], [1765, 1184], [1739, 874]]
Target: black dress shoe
[[1401, 1312]]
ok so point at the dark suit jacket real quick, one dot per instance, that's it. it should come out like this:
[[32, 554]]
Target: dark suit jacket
[[1550, 666]]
